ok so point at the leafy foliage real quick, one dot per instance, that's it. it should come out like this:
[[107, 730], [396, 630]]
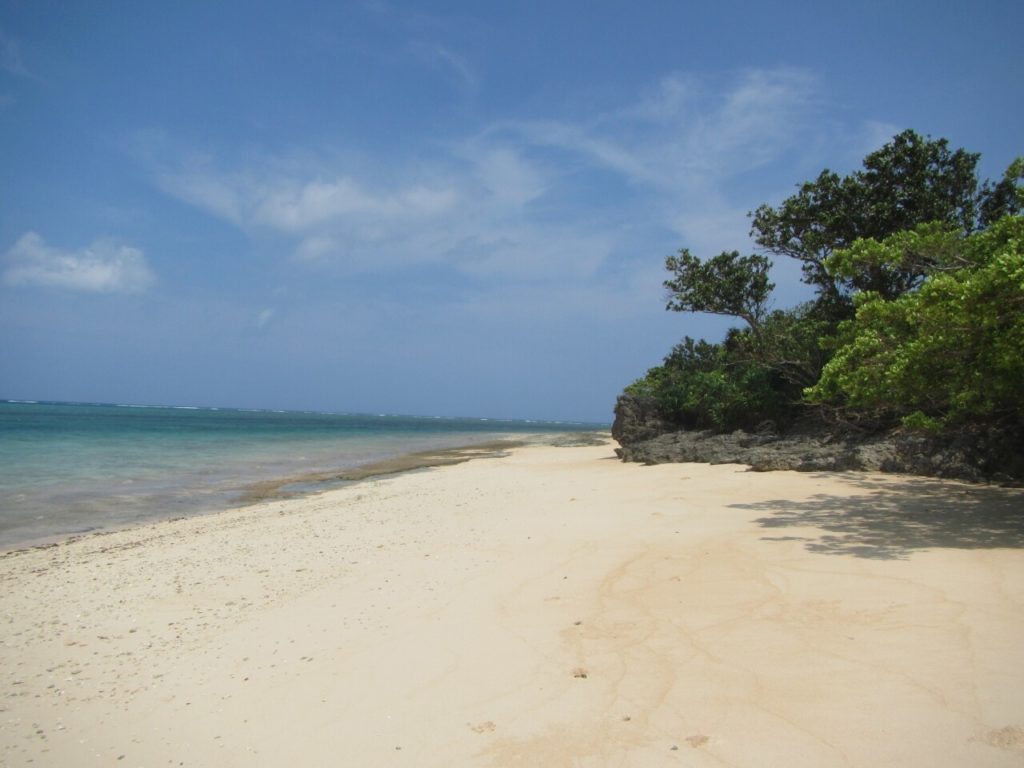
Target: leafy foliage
[[911, 180], [920, 281], [728, 284], [949, 352], [750, 378], [1006, 197], [700, 386]]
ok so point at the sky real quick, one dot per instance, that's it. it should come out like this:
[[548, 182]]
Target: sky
[[445, 208]]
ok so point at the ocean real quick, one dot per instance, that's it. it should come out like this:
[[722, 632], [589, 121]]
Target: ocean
[[70, 468]]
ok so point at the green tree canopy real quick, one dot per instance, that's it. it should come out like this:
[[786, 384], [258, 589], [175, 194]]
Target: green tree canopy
[[919, 317], [950, 351], [909, 181], [727, 284]]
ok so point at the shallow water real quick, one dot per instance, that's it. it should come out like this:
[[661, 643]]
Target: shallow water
[[67, 468]]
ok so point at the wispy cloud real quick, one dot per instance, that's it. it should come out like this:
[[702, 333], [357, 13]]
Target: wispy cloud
[[528, 198], [298, 207], [686, 133], [106, 266], [458, 67], [505, 174], [683, 143], [211, 192]]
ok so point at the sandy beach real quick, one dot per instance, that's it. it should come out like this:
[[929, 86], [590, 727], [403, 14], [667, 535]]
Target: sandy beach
[[548, 607]]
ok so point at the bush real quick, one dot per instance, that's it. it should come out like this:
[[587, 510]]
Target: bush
[[750, 378]]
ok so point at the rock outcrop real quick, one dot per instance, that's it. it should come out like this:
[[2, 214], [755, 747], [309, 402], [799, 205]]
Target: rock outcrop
[[975, 455]]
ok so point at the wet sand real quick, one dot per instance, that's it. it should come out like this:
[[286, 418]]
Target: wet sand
[[280, 487], [545, 606]]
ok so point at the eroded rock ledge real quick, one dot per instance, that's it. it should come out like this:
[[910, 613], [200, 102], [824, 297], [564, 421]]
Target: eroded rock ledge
[[976, 455]]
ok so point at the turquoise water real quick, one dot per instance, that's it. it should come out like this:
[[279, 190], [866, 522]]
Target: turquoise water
[[68, 468]]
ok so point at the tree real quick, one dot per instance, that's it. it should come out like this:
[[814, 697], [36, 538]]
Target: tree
[[1006, 196], [758, 373], [951, 351], [920, 282], [788, 343], [716, 386], [909, 181], [727, 284]]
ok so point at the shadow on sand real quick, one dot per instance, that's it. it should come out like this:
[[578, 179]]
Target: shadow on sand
[[893, 517]]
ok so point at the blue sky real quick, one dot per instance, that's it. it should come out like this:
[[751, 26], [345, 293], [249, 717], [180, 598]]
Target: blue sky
[[445, 208]]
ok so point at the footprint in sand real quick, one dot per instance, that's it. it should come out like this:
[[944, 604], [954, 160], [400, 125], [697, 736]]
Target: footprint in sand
[[485, 727]]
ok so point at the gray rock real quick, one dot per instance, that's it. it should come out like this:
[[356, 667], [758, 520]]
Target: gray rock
[[636, 419], [976, 455]]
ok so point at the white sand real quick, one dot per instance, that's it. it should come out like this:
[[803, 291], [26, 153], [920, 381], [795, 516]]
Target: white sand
[[551, 608]]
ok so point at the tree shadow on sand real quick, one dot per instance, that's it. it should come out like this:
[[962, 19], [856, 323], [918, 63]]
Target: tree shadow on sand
[[893, 517]]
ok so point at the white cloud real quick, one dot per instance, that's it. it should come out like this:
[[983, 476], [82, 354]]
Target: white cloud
[[297, 208], [687, 131], [507, 176], [104, 267], [217, 195], [538, 199], [584, 141], [267, 198]]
